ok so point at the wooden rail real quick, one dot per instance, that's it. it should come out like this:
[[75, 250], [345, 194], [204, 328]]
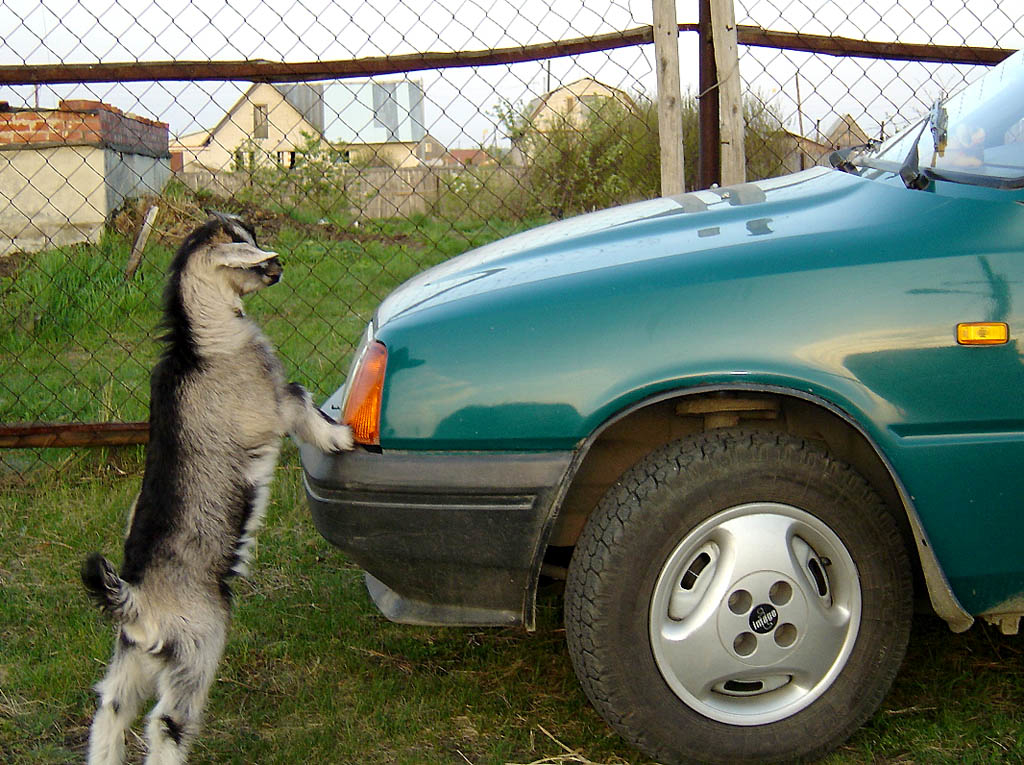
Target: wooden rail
[[281, 71], [42, 435]]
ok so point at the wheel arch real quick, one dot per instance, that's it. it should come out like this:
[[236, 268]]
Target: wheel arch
[[631, 434]]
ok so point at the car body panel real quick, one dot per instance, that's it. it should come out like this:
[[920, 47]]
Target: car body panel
[[842, 287], [446, 538]]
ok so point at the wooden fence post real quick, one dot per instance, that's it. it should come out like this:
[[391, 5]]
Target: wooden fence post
[[670, 102], [723, 24], [140, 243]]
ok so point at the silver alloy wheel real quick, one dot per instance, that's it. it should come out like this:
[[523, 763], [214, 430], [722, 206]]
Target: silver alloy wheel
[[755, 613]]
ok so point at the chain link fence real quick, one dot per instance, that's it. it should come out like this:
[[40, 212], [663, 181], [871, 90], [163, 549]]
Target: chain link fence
[[828, 101], [367, 143]]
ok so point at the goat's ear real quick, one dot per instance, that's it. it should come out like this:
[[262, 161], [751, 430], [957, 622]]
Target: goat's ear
[[235, 227], [239, 255]]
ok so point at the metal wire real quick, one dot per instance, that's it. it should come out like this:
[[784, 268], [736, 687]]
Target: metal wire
[[361, 181]]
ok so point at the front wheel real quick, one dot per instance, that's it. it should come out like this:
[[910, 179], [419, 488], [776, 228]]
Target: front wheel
[[738, 597]]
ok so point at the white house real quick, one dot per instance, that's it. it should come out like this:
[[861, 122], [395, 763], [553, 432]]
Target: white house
[[375, 122], [268, 123], [571, 104], [379, 122]]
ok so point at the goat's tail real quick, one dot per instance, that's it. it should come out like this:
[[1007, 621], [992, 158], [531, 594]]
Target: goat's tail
[[107, 590]]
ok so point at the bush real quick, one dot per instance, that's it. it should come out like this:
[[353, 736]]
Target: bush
[[477, 194], [611, 156], [314, 185], [608, 159]]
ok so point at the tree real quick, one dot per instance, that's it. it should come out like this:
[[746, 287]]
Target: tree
[[315, 178]]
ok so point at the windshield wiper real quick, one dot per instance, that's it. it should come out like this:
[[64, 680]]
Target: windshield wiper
[[910, 170], [840, 158]]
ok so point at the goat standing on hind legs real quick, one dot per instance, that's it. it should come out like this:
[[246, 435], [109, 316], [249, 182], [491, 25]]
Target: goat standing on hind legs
[[219, 406]]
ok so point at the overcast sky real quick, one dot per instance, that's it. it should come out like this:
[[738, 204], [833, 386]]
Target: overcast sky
[[460, 102]]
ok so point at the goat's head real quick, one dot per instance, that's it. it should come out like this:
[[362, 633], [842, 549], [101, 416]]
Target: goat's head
[[223, 253]]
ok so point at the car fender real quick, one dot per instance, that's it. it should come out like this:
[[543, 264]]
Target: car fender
[[940, 593]]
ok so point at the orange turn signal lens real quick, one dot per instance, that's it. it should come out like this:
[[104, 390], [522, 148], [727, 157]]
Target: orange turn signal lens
[[982, 333], [363, 402]]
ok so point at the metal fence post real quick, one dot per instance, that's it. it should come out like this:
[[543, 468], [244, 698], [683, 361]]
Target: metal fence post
[[670, 115]]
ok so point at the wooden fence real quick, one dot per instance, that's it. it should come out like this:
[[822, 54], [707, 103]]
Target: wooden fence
[[374, 192]]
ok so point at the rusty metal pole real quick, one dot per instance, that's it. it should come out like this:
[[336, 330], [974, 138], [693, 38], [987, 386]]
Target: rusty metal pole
[[709, 161]]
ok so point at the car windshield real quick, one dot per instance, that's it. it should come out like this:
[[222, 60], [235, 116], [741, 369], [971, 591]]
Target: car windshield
[[976, 136]]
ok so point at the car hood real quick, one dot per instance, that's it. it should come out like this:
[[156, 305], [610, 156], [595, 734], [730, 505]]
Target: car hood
[[689, 225]]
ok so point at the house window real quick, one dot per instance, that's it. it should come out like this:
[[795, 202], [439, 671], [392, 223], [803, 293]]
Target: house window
[[244, 160], [260, 127]]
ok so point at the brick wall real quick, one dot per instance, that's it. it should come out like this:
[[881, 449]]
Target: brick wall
[[82, 123]]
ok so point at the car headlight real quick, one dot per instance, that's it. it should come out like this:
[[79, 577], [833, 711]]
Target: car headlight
[[364, 389]]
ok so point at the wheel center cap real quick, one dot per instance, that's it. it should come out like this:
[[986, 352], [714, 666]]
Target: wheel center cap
[[763, 618]]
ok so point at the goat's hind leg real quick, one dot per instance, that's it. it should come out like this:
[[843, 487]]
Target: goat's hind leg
[[183, 687], [128, 682]]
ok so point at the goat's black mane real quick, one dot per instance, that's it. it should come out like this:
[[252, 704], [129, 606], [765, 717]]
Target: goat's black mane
[[160, 497], [178, 337]]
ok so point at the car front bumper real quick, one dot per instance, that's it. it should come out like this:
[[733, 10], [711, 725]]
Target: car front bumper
[[445, 538]]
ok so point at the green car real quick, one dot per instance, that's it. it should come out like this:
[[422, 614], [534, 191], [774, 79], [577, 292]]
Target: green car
[[757, 418]]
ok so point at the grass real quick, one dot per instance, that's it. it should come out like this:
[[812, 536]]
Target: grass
[[77, 341], [313, 673]]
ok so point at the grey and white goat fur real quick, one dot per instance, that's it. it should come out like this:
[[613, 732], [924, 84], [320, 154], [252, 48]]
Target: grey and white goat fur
[[219, 406]]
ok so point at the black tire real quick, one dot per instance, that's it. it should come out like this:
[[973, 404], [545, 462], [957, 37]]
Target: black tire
[[688, 549]]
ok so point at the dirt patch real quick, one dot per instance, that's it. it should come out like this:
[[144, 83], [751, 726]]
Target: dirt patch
[[9, 263], [179, 216], [176, 219]]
